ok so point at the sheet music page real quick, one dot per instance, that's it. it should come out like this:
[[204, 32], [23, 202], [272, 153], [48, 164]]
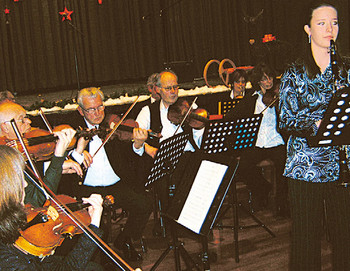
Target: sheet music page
[[201, 196]]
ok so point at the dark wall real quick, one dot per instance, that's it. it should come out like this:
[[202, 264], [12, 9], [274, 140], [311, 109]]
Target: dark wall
[[126, 40]]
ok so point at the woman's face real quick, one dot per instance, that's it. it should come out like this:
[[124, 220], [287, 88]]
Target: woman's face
[[239, 86], [323, 27], [266, 82]]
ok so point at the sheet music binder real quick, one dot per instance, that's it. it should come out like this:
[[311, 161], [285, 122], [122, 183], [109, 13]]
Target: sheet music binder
[[209, 203], [167, 157], [220, 137], [334, 129]]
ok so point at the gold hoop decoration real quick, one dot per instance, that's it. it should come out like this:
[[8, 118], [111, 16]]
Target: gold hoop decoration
[[205, 71], [222, 70]]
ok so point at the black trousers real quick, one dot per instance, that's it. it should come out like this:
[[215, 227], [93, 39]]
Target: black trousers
[[138, 205], [250, 174], [307, 202]]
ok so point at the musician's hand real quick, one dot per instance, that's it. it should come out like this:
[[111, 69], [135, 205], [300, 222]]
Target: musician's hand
[[140, 136], [87, 159], [82, 143], [65, 137], [151, 151], [95, 210], [70, 167]]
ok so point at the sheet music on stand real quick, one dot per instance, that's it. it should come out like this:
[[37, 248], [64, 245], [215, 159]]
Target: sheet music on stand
[[167, 157], [196, 204], [334, 129]]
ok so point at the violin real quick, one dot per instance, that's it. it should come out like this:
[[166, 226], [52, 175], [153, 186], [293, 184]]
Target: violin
[[125, 129], [196, 118], [67, 211], [41, 143], [48, 226], [271, 96]]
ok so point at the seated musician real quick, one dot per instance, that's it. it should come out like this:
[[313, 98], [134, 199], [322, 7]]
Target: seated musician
[[155, 118], [112, 170], [10, 110], [239, 80], [269, 144], [13, 217]]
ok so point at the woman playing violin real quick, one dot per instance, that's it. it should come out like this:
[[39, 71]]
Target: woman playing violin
[[11, 110], [13, 217], [269, 144]]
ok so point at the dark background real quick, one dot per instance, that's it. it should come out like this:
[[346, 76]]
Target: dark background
[[122, 41]]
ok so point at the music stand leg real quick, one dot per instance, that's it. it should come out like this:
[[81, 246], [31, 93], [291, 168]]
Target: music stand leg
[[179, 250]]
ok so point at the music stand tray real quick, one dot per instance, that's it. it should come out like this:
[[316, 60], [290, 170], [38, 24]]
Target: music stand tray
[[167, 157], [334, 129], [229, 136]]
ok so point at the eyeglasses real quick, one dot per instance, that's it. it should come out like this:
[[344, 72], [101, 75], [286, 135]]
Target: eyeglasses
[[94, 110], [169, 88]]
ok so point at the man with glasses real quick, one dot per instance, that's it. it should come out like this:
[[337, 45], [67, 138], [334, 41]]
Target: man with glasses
[[155, 117], [112, 170]]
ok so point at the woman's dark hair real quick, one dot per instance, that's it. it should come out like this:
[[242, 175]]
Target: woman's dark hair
[[237, 74], [308, 60], [258, 72]]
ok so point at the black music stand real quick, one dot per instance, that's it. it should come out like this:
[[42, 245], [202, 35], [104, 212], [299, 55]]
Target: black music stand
[[167, 157], [231, 137], [334, 129], [165, 162]]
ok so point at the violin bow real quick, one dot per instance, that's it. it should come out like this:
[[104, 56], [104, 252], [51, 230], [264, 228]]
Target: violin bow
[[116, 126], [186, 115], [45, 120], [49, 194]]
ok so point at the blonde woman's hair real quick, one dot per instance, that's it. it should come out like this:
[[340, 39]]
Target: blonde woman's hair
[[11, 194]]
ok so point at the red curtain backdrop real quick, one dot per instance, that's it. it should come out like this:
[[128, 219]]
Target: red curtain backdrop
[[127, 40]]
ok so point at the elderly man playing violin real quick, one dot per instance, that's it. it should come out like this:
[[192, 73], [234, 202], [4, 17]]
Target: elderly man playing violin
[[155, 117], [112, 170], [12, 111]]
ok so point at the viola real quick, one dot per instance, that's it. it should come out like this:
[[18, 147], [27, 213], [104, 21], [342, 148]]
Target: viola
[[125, 130], [48, 226], [41, 143], [196, 118]]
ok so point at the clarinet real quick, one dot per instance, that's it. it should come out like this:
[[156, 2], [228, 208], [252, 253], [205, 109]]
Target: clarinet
[[344, 175]]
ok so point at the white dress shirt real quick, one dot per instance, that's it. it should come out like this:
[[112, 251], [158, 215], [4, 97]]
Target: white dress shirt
[[268, 136], [168, 130], [100, 172]]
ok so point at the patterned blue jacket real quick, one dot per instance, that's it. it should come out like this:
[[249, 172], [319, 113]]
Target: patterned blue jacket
[[303, 101]]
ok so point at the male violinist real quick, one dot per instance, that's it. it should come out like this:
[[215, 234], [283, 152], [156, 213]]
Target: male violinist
[[10, 110], [155, 117], [112, 170]]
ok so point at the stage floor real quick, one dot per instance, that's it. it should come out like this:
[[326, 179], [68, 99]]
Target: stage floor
[[258, 250]]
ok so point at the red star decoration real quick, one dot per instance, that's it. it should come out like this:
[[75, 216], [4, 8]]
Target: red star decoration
[[268, 38], [66, 14], [100, 2], [7, 11]]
